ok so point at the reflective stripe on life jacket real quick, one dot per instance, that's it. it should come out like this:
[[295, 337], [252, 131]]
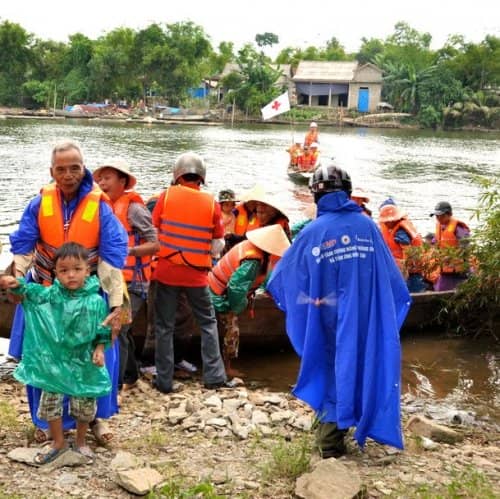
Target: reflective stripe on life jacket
[[137, 268], [83, 228], [220, 275], [446, 238], [186, 226]]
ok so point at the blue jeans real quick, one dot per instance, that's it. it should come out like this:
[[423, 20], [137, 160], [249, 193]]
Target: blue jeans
[[203, 310]]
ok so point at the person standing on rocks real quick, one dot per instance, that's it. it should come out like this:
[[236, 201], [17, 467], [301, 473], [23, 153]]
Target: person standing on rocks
[[63, 350], [71, 208], [191, 233], [345, 301]]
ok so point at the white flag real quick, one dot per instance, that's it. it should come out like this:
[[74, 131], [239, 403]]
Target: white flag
[[277, 106]]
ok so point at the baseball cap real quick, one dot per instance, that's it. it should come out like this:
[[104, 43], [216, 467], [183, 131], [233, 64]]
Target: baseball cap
[[441, 208]]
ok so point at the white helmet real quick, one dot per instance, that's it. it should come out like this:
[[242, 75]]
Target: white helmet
[[189, 162]]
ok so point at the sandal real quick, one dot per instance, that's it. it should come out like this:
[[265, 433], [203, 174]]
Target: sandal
[[101, 432], [86, 451], [41, 436], [49, 455]]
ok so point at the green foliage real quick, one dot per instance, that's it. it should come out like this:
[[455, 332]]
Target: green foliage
[[289, 460], [468, 482], [37, 92], [174, 490], [428, 117], [8, 417], [476, 304], [266, 39]]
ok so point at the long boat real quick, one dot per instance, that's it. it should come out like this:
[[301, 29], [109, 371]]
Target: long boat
[[299, 176], [267, 326]]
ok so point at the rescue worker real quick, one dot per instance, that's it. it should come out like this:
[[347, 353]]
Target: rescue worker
[[452, 239], [71, 209], [190, 233], [236, 277], [295, 151], [315, 154], [400, 235], [344, 301], [312, 134], [360, 197], [116, 180]]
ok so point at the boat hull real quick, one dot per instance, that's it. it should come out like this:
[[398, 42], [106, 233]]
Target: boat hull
[[267, 326]]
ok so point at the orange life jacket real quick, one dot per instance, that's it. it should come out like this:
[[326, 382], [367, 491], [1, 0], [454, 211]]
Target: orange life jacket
[[137, 268], [295, 152], [220, 275], [243, 222], [398, 250], [186, 227], [83, 228], [311, 136], [446, 238], [307, 161]]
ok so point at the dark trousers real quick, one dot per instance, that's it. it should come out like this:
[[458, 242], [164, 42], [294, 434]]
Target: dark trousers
[[330, 440]]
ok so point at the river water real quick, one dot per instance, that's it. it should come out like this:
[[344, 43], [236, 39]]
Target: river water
[[417, 168]]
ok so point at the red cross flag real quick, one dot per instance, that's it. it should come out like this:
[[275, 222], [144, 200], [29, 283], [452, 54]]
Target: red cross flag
[[277, 106]]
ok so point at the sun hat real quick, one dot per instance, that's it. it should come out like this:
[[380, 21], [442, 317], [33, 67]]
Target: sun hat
[[314, 144], [271, 239], [360, 193], [441, 208], [117, 164], [391, 213], [227, 195], [313, 124], [262, 197]]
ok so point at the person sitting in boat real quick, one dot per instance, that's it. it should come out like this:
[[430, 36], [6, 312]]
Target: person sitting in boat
[[360, 197], [312, 135], [307, 161], [400, 235], [227, 201], [295, 151], [451, 236], [269, 212], [236, 277]]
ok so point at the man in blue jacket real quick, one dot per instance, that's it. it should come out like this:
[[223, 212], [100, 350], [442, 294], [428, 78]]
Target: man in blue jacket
[[345, 302], [71, 209]]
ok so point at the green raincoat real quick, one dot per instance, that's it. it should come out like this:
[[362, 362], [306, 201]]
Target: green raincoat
[[63, 328]]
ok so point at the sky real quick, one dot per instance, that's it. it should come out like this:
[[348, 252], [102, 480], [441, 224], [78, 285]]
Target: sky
[[297, 23]]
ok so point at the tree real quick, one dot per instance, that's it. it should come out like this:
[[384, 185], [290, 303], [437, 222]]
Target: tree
[[369, 50], [15, 57], [266, 39]]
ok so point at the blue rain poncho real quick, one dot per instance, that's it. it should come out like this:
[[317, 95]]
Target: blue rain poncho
[[62, 330], [345, 301]]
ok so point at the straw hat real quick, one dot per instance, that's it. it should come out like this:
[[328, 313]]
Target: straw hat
[[360, 193], [314, 144], [256, 190], [263, 197], [271, 239], [313, 125], [120, 165], [391, 213]]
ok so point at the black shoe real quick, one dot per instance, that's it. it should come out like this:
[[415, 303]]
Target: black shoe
[[220, 384], [154, 384], [336, 452]]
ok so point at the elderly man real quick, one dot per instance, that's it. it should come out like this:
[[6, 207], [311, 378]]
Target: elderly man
[[190, 232], [71, 209], [345, 301], [116, 180]]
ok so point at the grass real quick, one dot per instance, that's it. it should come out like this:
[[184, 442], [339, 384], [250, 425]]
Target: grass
[[469, 482], [8, 417], [288, 460], [174, 490]]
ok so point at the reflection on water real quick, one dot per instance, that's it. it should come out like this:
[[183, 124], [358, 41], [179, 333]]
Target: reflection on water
[[448, 371]]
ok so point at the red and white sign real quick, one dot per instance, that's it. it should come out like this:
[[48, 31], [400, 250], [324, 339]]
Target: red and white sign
[[277, 106]]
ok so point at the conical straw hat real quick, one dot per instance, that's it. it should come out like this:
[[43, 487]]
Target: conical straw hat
[[263, 197], [359, 192], [256, 190], [271, 239]]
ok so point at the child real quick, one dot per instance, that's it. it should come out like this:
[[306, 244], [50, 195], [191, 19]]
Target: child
[[63, 350], [227, 201]]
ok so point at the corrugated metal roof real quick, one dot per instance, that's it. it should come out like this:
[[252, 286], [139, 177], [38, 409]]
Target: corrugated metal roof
[[231, 67], [325, 71]]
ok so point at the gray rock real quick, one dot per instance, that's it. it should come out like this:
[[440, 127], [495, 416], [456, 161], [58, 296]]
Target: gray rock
[[125, 461], [213, 401], [67, 480], [219, 422], [139, 481], [260, 418], [232, 405], [329, 479], [424, 427], [279, 416]]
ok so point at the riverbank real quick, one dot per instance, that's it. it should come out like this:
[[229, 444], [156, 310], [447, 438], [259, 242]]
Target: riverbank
[[242, 442]]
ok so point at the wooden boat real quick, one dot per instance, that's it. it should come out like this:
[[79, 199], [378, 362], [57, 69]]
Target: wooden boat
[[267, 327], [300, 176]]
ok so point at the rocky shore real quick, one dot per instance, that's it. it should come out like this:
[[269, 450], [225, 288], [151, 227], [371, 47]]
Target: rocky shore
[[246, 443]]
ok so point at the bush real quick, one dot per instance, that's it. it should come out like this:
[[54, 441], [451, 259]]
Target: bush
[[428, 117]]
